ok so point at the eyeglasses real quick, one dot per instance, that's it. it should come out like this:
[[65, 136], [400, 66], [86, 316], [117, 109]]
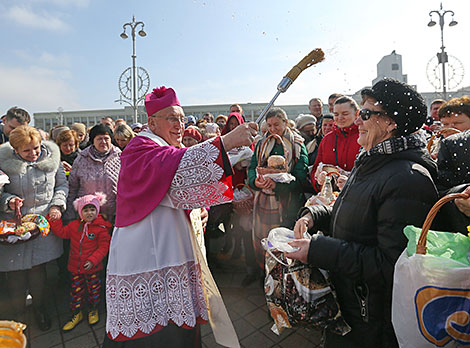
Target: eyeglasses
[[176, 119], [366, 114]]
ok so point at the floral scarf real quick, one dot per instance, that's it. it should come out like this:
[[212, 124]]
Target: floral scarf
[[293, 143]]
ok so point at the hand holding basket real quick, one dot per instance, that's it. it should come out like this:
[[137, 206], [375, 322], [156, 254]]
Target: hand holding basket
[[11, 234]]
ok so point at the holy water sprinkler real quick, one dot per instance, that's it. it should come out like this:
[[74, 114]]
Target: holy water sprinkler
[[314, 57]]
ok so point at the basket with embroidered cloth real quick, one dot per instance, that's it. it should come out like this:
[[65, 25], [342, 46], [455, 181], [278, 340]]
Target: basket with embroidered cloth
[[274, 167]]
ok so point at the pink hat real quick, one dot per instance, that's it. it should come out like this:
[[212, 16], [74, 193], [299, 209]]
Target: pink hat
[[97, 200], [159, 99]]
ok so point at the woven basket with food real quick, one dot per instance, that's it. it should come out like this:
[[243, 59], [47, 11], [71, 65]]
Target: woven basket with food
[[275, 167], [23, 228], [243, 198]]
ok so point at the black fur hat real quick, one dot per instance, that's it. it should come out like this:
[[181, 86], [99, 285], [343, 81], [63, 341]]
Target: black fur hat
[[401, 102]]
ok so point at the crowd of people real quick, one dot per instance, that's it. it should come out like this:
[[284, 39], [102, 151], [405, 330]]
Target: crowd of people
[[164, 190]]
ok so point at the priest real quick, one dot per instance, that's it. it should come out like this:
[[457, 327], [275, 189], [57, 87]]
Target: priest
[[159, 289]]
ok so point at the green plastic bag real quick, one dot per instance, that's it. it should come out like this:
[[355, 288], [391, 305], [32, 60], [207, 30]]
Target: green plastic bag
[[454, 246]]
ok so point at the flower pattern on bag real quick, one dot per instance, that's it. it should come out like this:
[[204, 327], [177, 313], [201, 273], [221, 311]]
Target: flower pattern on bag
[[140, 302], [196, 182]]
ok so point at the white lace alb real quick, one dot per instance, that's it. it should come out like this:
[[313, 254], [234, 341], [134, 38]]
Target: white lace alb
[[143, 301], [196, 182]]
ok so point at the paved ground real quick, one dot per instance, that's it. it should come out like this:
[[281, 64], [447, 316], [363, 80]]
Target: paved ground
[[246, 307]]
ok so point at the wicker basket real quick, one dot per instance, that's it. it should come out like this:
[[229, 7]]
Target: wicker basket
[[421, 245], [434, 141], [266, 170], [245, 206], [11, 334]]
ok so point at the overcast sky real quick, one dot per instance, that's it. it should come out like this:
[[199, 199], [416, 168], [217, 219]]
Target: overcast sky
[[68, 53]]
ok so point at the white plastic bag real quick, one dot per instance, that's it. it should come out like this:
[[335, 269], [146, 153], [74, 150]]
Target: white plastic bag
[[431, 302]]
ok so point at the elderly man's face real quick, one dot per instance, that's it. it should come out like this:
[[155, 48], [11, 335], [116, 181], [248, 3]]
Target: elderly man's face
[[315, 108], [168, 124]]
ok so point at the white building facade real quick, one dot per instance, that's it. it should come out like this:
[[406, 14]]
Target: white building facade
[[47, 120]]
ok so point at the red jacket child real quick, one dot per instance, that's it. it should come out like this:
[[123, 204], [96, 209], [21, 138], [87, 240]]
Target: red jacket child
[[89, 241]]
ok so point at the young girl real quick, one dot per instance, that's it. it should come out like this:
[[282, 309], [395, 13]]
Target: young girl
[[89, 244]]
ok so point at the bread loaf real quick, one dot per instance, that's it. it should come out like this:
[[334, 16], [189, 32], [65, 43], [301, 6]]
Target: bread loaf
[[276, 161]]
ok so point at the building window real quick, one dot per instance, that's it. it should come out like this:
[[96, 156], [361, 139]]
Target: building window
[[395, 66]]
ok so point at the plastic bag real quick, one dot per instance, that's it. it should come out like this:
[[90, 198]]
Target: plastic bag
[[448, 245], [431, 302], [298, 294]]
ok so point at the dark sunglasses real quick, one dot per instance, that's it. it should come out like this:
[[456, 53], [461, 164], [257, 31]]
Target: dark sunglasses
[[366, 113]]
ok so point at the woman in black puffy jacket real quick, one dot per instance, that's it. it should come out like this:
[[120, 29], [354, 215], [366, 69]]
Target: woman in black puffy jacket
[[391, 186]]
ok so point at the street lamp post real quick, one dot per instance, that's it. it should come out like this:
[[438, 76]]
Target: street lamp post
[[61, 115], [442, 56], [133, 26]]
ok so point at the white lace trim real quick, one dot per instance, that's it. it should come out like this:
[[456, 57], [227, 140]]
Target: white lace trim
[[143, 301], [196, 182]]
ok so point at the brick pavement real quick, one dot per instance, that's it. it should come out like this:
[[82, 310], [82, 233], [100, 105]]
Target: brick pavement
[[246, 307]]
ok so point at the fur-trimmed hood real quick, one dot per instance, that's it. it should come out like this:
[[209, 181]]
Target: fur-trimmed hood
[[12, 163]]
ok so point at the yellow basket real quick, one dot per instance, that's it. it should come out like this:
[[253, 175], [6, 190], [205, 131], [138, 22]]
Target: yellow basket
[[11, 334]]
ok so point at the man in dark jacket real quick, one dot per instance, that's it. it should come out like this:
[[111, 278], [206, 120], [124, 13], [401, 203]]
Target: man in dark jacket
[[14, 117], [391, 186]]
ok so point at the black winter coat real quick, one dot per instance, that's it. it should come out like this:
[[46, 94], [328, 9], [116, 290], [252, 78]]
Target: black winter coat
[[453, 161], [383, 194]]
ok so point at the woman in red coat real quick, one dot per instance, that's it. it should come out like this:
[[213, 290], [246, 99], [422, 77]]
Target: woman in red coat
[[89, 244], [339, 147]]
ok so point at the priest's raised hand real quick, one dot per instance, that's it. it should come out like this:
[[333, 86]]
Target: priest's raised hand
[[242, 135]]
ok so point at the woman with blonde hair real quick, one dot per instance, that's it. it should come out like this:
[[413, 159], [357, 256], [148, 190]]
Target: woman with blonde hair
[[38, 186], [123, 134], [82, 134]]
